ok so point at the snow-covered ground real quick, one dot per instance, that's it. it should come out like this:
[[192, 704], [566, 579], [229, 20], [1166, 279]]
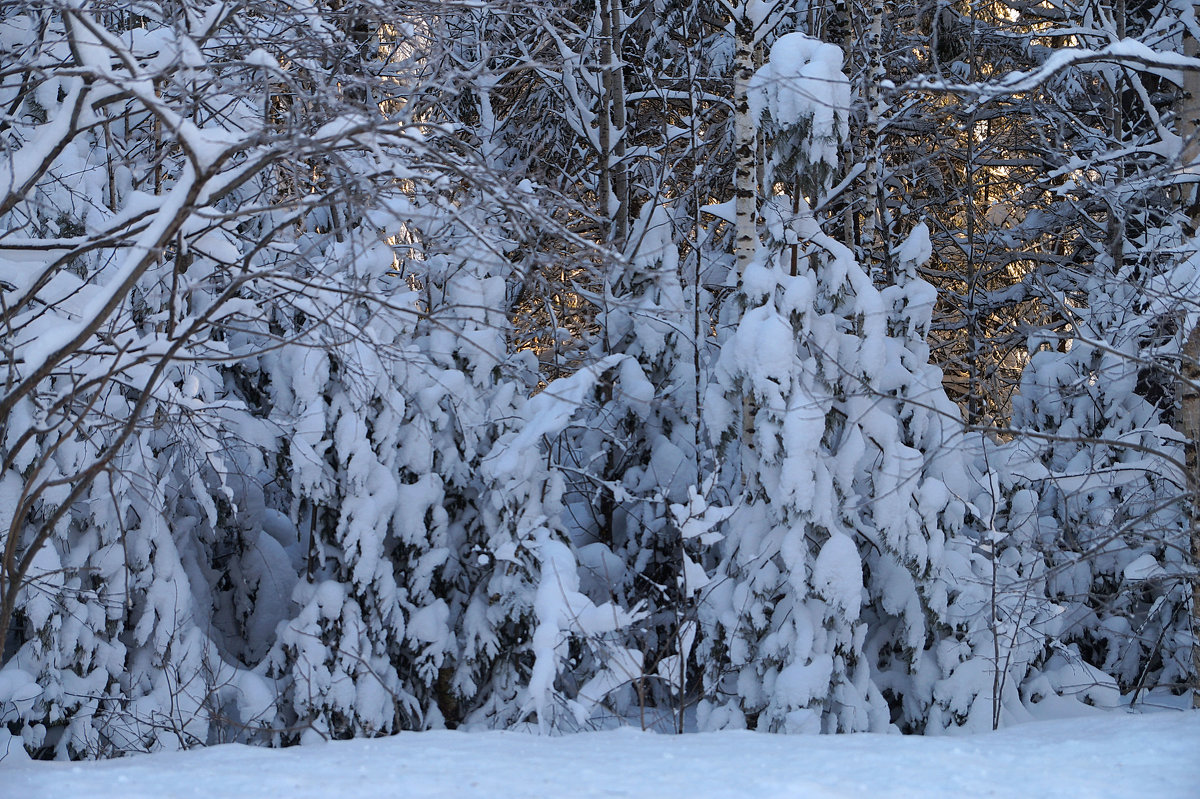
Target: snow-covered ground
[[1119, 756]]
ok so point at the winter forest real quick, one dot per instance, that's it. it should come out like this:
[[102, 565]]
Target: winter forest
[[804, 366]]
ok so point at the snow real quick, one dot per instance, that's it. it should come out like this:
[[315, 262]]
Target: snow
[[837, 575], [803, 80], [1104, 756], [917, 248], [548, 413], [341, 513], [1125, 51]]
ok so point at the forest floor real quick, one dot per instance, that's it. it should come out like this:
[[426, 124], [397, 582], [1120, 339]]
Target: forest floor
[[1113, 755]]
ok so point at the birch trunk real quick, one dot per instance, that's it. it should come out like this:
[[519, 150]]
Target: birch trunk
[[604, 119], [745, 184], [872, 177]]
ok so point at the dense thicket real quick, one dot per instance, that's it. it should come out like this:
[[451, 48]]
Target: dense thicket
[[381, 365]]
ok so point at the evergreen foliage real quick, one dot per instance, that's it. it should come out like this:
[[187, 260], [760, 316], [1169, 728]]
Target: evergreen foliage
[[381, 365]]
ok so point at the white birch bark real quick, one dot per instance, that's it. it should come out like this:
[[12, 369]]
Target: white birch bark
[[744, 129], [872, 176]]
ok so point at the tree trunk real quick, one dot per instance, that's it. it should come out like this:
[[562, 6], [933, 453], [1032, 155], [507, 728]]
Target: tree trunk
[[1189, 394], [604, 192], [1189, 426], [745, 181], [873, 76], [745, 185], [1116, 213], [615, 74], [1189, 130]]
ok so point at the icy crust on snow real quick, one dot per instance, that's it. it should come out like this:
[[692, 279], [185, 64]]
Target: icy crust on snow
[[1107, 756]]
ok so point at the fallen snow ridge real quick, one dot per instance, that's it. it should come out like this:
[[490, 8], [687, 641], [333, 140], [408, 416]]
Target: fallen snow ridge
[[1127, 756]]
